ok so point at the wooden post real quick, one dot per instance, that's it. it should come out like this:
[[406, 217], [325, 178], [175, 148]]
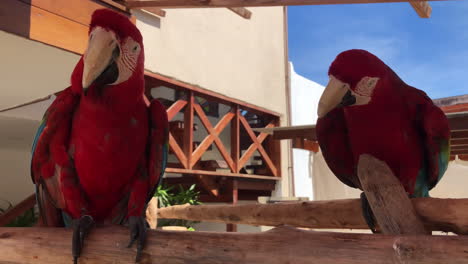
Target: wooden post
[[235, 138], [188, 129], [449, 215], [235, 197], [278, 246], [388, 199]]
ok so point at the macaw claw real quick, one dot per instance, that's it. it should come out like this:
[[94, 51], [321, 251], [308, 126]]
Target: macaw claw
[[137, 225], [368, 214], [81, 227]]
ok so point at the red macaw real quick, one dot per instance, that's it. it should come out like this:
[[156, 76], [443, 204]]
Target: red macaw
[[367, 109], [101, 151]]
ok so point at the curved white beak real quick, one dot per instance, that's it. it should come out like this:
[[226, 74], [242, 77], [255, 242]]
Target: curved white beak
[[98, 55], [331, 96]]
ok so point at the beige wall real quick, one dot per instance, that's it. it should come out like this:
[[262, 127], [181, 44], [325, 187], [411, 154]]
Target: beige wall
[[220, 51], [30, 69], [16, 135], [327, 187]]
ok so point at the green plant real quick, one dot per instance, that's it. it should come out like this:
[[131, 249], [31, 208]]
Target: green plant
[[28, 219], [168, 196]]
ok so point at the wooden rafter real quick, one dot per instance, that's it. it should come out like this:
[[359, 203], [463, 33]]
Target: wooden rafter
[[188, 129], [175, 108], [179, 153], [241, 11], [249, 3], [422, 8], [221, 174]]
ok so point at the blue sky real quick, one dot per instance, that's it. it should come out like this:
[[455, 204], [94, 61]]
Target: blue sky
[[429, 54]]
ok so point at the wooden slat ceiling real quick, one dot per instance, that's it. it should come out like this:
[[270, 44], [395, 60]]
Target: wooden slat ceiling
[[458, 126]]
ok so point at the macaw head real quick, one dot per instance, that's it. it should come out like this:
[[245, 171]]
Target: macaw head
[[113, 62], [355, 79]]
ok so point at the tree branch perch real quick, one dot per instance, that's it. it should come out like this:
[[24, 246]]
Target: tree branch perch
[[278, 246], [449, 215]]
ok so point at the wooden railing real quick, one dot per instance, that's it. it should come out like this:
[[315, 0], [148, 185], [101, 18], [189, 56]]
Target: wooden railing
[[17, 210], [189, 154]]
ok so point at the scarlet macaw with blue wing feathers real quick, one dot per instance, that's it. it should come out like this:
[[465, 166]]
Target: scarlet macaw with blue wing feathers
[[101, 151]]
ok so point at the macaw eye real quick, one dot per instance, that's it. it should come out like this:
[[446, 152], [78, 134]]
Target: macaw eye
[[135, 48]]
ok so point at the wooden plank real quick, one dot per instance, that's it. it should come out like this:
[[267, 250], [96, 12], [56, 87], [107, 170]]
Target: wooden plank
[[423, 9], [259, 146], [278, 246], [40, 25], [155, 11], [458, 121], [235, 138], [458, 152], [188, 129], [221, 174], [17, 210], [241, 11], [459, 134], [175, 108], [176, 84], [305, 144], [178, 152], [388, 199], [455, 142], [248, 3], [459, 147], [255, 185], [79, 11], [448, 215]]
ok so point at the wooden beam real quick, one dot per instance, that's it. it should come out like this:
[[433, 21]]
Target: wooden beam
[[208, 94], [154, 10], [422, 8], [458, 121], [388, 199], [278, 246], [241, 11], [455, 142], [448, 215], [305, 144], [179, 153], [17, 210], [188, 129], [235, 197], [235, 138], [175, 108], [221, 174], [248, 3]]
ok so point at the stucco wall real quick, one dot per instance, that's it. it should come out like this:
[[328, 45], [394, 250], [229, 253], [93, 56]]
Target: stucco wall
[[30, 69], [220, 51]]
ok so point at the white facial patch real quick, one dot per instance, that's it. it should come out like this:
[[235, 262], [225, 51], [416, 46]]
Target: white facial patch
[[364, 90], [129, 52]]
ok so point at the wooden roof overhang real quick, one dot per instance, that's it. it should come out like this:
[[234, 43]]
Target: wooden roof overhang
[[305, 136], [422, 7]]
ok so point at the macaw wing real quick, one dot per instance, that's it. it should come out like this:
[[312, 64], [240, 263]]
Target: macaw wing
[[50, 156], [332, 136], [158, 145], [433, 124]]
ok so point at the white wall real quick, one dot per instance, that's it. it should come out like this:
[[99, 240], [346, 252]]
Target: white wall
[[305, 95]]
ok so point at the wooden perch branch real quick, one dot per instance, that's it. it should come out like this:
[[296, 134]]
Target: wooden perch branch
[[388, 199], [277, 246], [449, 215]]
